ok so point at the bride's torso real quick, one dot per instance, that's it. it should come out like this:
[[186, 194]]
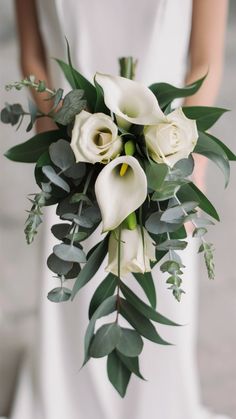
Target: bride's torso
[[156, 32]]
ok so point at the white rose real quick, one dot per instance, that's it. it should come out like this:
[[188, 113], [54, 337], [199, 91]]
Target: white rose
[[130, 101], [173, 140], [95, 138], [134, 256]]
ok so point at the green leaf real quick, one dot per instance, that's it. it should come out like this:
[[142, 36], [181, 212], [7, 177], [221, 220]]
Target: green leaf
[[77, 81], [130, 343], [78, 237], [185, 166], [177, 213], [230, 155], [100, 104], [165, 92], [11, 114], [69, 253], [205, 116], [55, 178], [118, 374], [31, 150], [79, 196], [91, 266], [72, 105], [155, 225], [191, 192], [146, 282], [61, 154], [60, 230], [166, 191], [223, 165], [143, 308], [199, 232], [77, 171], [105, 340], [59, 266], [131, 363], [103, 291], [81, 220], [156, 174], [60, 294], [108, 306], [140, 322], [172, 245]]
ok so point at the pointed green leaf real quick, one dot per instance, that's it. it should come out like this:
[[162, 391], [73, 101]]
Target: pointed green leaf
[[191, 192], [140, 322], [118, 374], [165, 92], [131, 363], [205, 116], [146, 282], [55, 178], [91, 267], [143, 308], [108, 306], [103, 291], [31, 150]]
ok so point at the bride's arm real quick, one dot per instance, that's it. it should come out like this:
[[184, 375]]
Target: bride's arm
[[32, 53], [206, 53]]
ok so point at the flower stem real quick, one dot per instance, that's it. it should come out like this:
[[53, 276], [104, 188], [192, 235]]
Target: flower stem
[[118, 274], [127, 67]]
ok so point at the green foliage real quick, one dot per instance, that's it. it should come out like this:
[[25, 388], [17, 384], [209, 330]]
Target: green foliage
[[59, 295], [54, 178], [72, 105], [105, 289], [166, 93], [105, 340], [205, 116], [140, 322], [57, 265], [156, 174], [146, 282], [91, 267], [130, 343], [118, 374], [62, 155], [34, 218], [69, 253], [207, 249], [12, 114], [31, 150]]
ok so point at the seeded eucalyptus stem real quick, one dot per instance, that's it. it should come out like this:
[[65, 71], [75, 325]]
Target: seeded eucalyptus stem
[[30, 82]]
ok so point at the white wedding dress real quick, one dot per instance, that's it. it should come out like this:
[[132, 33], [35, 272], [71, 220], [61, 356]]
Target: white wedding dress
[[51, 385]]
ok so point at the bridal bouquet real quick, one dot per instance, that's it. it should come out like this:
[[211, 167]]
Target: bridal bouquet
[[120, 156]]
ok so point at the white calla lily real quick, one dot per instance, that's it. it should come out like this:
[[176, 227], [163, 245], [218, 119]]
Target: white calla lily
[[136, 251], [129, 100], [117, 195]]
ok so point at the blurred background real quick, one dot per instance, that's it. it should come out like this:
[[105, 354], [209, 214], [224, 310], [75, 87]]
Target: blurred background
[[20, 263]]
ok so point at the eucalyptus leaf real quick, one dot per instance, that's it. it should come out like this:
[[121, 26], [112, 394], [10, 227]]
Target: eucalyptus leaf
[[177, 213], [69, 253], [72, 105], [61, 154], [118, 374], [59, 266], [156, 174], [60, 294], [130, 343], [81, 220], [105, 340], [172, 244], [49, 171], [60, 230], [76, 171], [78, 197], [166, 191], [11, 114], [155, 225]]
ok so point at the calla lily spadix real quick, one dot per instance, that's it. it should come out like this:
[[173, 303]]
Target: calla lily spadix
[[129, 100], [117, 195]]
